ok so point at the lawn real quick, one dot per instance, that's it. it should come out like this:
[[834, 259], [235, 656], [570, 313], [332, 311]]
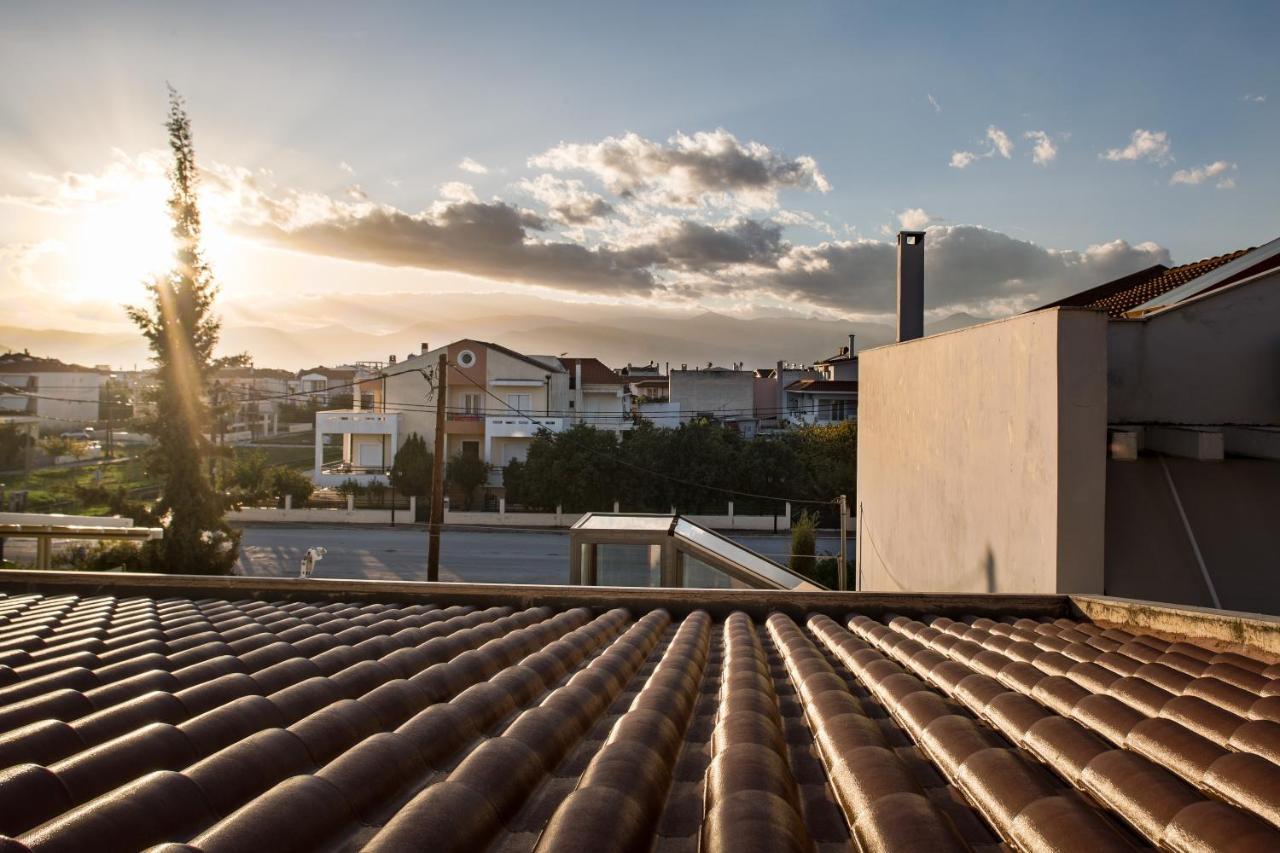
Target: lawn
[[54, 489]]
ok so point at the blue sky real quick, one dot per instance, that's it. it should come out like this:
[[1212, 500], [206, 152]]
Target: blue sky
[[374, 110]]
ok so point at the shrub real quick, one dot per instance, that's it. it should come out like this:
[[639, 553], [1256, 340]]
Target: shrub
[[350, 486], [104, 556], [803, 544], [283, 480]]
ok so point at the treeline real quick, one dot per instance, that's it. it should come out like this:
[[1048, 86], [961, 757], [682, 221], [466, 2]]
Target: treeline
[[691, 467]]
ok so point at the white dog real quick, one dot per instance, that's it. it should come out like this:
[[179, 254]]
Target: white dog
[[309, 560]]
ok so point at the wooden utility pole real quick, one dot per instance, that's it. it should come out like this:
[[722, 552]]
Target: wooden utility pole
[[843, 573], [437, 473]]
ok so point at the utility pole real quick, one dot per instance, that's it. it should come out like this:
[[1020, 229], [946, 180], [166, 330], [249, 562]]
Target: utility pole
[[437, 473], [844, 547]]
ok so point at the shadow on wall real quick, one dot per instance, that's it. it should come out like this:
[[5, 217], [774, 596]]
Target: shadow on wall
[[989, 564]]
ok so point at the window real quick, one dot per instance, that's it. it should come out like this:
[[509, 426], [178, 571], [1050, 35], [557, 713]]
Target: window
[[466, 358], [522, 403], [471, 404], [470, 450]]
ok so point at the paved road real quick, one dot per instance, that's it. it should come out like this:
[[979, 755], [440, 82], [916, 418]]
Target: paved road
[[400, 553]]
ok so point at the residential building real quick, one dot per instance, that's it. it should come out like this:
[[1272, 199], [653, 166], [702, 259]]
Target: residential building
[[497, 401], [55, 392], [256, 394], [820, 402], [646, 382], [724, 394], [841, 367], [1125, 440], [597, 396], [320, 384]]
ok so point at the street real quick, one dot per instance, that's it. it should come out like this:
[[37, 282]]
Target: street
[[400, 553]]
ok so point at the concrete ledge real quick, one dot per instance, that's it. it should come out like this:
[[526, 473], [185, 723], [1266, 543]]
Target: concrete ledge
[[1257, 633], [1205, 445], [1255, 442], [718, 602]]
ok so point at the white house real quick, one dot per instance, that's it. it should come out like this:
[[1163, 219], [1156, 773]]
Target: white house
[[56, 392]]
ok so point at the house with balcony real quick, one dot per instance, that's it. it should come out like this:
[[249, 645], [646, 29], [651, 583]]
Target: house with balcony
[[597, 395], [498, 399]]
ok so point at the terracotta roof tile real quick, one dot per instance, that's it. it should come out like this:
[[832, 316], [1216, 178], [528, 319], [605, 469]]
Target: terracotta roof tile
[[264, 724]]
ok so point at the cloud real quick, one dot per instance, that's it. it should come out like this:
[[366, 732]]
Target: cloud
[[914, 219], [1152, 146], [1000, 142], [569, 202], [967, 269], [688, 171], [457, 191], [1200, 174], [492, 240], [937, 108], [1254, 99], [469, 165], [344, 166], [357, 193], [1044, 152]]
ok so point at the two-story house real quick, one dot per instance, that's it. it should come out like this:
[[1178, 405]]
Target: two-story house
[[51, 390], [597, 396], [497, 401]]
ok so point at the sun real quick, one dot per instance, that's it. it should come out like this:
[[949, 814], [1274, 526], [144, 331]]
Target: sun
[[117, 245]]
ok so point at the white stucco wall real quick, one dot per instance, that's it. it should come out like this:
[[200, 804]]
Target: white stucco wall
[[76, 393], [1214, 360], [723, 393], [981, 458]]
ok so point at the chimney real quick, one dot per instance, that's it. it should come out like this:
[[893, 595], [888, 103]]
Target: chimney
[[425, 348], [852, 351], [391, 359], [780, 399], [910, 285]]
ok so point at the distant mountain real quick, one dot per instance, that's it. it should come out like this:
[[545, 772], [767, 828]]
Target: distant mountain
[[614, 334]]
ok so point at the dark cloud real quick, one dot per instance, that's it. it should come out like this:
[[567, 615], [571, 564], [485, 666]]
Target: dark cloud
[[966, 268], [493, 240]]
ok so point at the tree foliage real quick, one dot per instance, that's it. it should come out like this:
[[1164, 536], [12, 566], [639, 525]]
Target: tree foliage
[[182, 331], [466, 474], [697, 468], [411, 469], [13, 446]]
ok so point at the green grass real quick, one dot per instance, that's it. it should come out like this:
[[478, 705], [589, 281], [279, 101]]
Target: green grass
[[53, 489]]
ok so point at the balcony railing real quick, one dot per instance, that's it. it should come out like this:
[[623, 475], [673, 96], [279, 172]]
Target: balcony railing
[[514, 426]]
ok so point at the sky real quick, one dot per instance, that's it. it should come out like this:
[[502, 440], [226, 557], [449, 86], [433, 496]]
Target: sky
[[747, 159]]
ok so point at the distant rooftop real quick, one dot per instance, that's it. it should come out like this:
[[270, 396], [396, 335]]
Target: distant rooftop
[[24, 362]]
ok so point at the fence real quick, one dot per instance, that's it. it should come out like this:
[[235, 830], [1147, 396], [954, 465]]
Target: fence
[[351, 514]]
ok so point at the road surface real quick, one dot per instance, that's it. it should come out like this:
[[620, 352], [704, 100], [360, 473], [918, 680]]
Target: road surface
[[400, 553]]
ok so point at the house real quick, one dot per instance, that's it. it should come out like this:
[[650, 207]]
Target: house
[[1124, 440], [597, 396], [498, 400], [820, 402], [841, 367], [57, 393], [255, 394], [646, 382], [320, 384], [724, 394]]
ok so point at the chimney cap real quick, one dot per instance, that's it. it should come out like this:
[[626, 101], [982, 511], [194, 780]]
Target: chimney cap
[[910, 237]]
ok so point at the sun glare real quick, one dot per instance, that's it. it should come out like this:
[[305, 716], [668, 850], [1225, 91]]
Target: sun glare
[[118, 245]]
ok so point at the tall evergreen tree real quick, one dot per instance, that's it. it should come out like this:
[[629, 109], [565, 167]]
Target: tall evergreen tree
[[182, 330]]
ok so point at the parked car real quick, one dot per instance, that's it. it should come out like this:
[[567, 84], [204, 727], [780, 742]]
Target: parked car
[[85, 434]]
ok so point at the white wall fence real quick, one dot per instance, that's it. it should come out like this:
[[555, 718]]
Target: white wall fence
[[500, 519]]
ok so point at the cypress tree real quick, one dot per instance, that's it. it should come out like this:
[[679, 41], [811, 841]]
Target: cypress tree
[[182, 330]]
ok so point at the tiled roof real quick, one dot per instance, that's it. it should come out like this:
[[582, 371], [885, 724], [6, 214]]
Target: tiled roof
[[834, 386], [127, 722], [1125, 294], [594, 371]]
